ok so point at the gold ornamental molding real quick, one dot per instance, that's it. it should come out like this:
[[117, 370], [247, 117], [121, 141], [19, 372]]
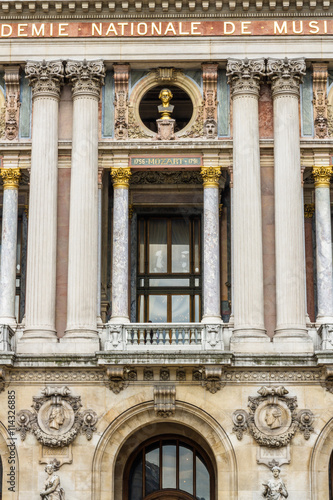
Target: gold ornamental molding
[[322, 176], [210, 176], [11, 177], [121, 177], [309, 209]]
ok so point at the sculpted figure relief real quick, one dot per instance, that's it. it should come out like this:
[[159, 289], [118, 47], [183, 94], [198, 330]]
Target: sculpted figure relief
[[273, 417], [165, 108], [56, 417], [210, 129], [52, 490], [275, 488]]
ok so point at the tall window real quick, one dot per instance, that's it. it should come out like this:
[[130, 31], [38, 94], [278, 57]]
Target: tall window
[[169, 468], [169, 270]]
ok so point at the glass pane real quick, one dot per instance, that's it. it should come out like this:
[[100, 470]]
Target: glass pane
[[202, 480], [152, 469], [169, 462], [186, 469], [197, 282], [196, 308], [141, 247], [180, 308], [18, 247], [158, 246], [141, 309], [196, 247], [158, 308], [180, 246], [168, 282], [135, 480], [17, 307]]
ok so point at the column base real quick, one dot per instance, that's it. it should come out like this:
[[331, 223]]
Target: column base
[[80, 341], [37, 341], [324, 320], [250, 340], [293, 340], [119, 319], [211, 320], [8, 320]]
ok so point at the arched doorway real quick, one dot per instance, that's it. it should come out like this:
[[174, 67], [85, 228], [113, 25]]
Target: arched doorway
[[168, 467]]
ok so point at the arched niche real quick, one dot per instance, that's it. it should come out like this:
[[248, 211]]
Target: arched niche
[[6, 456], [319, 463], [137, 424]]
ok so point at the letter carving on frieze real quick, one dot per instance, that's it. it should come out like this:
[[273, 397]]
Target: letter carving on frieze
[[244, 76]]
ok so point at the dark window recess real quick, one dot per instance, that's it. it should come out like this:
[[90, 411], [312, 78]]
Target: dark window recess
[[183, 107]]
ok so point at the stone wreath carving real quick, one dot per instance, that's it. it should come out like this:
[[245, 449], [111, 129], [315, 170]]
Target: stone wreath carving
[[273, 419], [56, 418]]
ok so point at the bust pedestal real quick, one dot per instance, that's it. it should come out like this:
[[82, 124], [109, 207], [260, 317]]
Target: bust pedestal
[[165, 129]]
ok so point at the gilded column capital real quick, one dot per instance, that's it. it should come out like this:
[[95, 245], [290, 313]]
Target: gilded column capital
[[210, 176], [86, 77], [10, 177], [285, 75], [322, 175], [244, 76], [45, 78], [121, 177], [309, 209]]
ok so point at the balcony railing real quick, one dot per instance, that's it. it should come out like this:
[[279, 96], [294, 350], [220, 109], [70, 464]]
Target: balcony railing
[[163, 336]]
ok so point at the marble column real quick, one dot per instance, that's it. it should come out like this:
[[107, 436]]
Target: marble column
[[121, 177], [286, 75], [86, 79], [46, 79], [322, 176], [244, 78], [211, 251], [11, 180], [99, 262]]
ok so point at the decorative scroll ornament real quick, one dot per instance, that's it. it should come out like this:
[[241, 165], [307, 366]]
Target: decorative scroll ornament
[[309, 209], [45, 78], [119, 377], [272, 419], [209, 79], [165, 401], [197, 128], [56, 418], [121, 77], [134, 129], [285, 75], [320, 75], [12, 80], [322, 176], [210, 377], [86, 77], [10, 177], [244, 75], [210, 176], [121, 177], [167, 177]]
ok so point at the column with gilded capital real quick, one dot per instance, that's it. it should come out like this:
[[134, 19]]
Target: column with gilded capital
[[244, 78], [86, 78], [286, 75], [322, 176], [121, 177], [46, 79], [211, 272], [11, 179]]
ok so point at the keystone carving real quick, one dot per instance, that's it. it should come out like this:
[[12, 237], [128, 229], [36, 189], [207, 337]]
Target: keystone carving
[[86, 77], [119, 377], [165, 401], [244, 75], [56, 418], [320, 75], [45, 78], [272, 418], [12, 80], [285, 75], [121, 77]]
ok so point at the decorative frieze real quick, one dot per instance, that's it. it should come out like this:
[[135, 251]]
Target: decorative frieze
[[121, 77], [10, 177], [210, 176], [12, 81], [86, 77], [121, 177], [165, 401], [322, 175], [166, 177], [285, 75], [45, 78], [320, 75], [244, 76]]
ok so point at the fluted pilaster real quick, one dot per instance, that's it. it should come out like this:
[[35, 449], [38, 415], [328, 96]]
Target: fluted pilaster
[[286, 76], [244, 78], [45, 79], [86, 79], [11, 179]]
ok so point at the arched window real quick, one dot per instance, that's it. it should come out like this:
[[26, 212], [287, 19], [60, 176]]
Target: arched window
[[169, 468]]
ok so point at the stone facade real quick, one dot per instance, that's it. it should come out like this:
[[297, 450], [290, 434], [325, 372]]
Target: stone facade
[[166, 292]]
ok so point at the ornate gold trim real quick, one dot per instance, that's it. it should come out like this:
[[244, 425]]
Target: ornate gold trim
[[11, 177], [322, 175], [121, 177], [210, 176], [309, 209]]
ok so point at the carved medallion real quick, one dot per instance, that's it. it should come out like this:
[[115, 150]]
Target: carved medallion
[[273, 419]]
